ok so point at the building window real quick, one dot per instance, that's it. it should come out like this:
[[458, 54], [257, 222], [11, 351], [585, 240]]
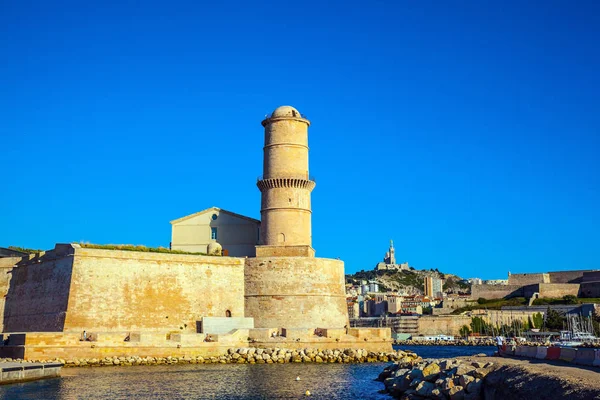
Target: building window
[[214, 217], [213, 233]]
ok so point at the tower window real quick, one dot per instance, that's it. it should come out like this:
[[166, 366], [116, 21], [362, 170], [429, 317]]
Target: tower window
[[214, 216], [213, 233]]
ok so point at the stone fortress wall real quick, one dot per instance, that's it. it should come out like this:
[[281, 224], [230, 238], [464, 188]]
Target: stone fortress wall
[[153, 302], [528, 279], [582, 283], [71, 289], [567, 276], [496, 291], [590, 284], [168, 304]]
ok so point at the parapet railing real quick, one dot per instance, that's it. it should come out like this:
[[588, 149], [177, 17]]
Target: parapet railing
[[294, 114], [306, 177]]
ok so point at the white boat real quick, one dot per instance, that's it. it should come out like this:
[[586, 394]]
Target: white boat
[[579, 331]]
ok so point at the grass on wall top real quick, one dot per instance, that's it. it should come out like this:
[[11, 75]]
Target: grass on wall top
[[131, 247], [24, 249]]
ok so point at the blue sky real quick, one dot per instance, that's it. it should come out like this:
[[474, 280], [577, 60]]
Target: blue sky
[[468, 132]]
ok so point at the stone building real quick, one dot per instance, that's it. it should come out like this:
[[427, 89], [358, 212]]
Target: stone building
[[238, 235], [389, 261], [156, 304]]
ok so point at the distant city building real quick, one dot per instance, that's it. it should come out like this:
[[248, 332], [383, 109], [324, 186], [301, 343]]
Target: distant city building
[[433, 287], [495, 282], [373, 287], [391, 304], [353, 309], [475, 281], [394, 304], [389, 261], [364, 289]]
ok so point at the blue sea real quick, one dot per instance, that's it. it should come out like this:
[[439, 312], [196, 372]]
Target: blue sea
[[223, 381]]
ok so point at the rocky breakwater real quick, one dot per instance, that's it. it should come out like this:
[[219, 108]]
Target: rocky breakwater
[[453, 379], [458, 342], [252, 355]]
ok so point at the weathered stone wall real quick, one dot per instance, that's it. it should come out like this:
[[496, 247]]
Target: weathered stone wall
[[73, 289], [528, 279], [285, 251], [295, 292], [555, 290], [496, 291], [506, 317], [566, 276], [6, 266], [442, 325], [38, 292], [591, 276], [591, 287]]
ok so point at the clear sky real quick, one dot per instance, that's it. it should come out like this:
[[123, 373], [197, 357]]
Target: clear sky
[[468, 132]]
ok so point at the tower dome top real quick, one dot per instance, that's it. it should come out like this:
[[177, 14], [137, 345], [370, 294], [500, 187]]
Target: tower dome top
[[285, 111]]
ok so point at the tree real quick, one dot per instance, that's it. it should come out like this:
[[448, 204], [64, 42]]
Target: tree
[[570, 299], [464, 331], [538, 320], [478, 325], [554, 320]]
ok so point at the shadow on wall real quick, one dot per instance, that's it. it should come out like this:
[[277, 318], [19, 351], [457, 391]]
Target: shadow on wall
[[38, 294]]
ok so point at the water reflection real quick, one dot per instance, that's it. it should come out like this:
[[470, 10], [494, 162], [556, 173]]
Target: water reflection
[[261, 381], [218, 381]]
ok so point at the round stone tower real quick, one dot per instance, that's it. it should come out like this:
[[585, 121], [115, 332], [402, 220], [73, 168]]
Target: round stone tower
[[285, 285], [285, 186]]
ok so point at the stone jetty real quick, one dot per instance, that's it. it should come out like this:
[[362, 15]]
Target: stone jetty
[[490, 378], [13, 371], [436, 379], [252, 355], [456, 342]]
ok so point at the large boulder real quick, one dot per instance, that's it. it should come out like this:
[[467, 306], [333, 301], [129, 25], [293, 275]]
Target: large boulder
[[431, 372], [424, 388], [456, 393], [464, 380]]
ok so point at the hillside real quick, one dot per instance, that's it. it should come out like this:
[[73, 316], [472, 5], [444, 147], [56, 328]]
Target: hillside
[[410, 281]]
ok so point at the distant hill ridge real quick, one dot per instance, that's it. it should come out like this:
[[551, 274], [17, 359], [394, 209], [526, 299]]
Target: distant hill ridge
[[411, 281]]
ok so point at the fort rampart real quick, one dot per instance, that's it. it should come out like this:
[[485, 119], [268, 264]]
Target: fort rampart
[[296, 292], [496, 291], [528, 279], [72, 289]]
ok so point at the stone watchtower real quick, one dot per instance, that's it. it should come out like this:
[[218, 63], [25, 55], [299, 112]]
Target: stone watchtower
[[285, 187], [285, 285]]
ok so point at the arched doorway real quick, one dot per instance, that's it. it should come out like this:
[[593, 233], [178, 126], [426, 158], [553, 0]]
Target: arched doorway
[[228, 314]]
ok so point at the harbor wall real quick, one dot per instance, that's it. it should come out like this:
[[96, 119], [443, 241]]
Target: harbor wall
[[442, 325], [579, 356]]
